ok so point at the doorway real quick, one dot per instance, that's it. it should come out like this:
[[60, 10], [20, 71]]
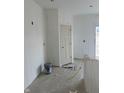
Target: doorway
[[65, 44]]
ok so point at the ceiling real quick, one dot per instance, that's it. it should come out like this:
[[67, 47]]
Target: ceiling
[[74, 7]]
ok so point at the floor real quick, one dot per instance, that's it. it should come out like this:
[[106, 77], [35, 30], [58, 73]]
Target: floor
[[61, 80]]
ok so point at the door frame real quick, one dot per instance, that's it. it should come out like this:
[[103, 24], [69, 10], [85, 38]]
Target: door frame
[[71, 44]]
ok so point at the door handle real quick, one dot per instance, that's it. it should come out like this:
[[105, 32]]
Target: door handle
[[62, 47]]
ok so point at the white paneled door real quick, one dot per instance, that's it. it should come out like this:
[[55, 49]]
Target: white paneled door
[[65, 44]]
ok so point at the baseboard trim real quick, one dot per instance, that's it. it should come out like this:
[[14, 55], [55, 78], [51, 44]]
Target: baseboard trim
[[55, 66], [66, 64], [90, 59], [78, 58]]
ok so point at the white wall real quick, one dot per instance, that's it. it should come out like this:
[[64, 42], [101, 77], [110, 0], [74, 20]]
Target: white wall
[[84, 29], [34, 36], [52, 36], [91, 76], [54, 18], [65, 18]]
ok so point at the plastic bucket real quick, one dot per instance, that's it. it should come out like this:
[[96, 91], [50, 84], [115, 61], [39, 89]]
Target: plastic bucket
[[48, 68]]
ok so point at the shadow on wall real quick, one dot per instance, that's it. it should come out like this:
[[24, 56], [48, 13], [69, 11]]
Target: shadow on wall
[[39, 69]]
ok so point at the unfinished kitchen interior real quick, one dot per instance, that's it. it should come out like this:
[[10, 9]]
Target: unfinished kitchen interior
[[61, 46]]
